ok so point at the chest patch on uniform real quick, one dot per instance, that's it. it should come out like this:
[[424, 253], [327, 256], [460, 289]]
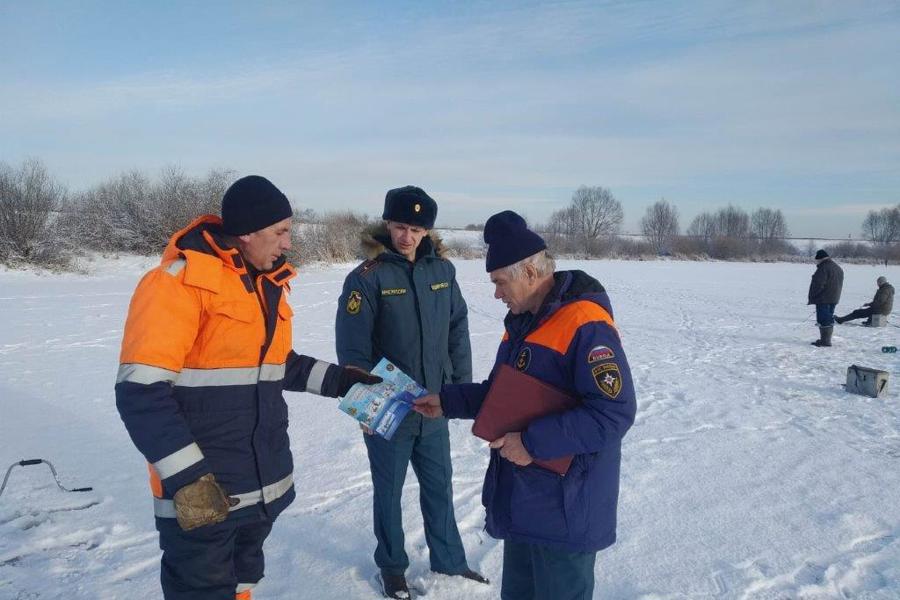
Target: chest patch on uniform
[[440, 286], [524, 359], [393, 291], [599, 353], [354, 302], [608, 379]]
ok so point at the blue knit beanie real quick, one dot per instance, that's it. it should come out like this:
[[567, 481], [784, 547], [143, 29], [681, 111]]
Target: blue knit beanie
[[509, 240], [252, 203]]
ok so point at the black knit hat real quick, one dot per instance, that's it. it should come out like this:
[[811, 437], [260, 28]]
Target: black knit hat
[[509, 240], [821, 254], [253, 203], [410, 205]]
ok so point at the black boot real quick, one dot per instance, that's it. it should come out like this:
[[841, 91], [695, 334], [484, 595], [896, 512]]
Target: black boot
[[840, 320], [824, 337], [394, 586], [474, 576]]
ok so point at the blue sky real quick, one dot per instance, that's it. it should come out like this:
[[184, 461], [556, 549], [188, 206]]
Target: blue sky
[[487, 105]]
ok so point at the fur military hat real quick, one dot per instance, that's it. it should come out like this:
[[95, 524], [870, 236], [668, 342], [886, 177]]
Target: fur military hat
[[410, 205]]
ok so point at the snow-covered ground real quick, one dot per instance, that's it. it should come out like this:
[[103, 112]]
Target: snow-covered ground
[[749, 472]]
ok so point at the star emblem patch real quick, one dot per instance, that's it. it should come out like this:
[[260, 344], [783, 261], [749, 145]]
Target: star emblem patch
[[608, 379]]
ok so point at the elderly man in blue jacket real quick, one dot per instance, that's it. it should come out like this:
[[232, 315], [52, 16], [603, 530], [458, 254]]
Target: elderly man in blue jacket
[[559, 329], [404, 304]]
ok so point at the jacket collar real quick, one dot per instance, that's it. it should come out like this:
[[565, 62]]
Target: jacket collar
[[568, 287], [205, 236], [375, 242]]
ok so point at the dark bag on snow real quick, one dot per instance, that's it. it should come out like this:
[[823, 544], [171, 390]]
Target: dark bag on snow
[[866, 381]]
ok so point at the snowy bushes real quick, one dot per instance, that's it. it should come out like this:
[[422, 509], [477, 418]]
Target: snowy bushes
[[334, 238], [29, 203], [133, 213]]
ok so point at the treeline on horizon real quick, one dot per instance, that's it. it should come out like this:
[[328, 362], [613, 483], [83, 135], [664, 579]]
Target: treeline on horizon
[[42, 223]]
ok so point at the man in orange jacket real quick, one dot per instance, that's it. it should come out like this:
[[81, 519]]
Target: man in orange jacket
[[206, 354]]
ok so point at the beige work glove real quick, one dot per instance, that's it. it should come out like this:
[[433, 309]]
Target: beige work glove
[[202, 503]]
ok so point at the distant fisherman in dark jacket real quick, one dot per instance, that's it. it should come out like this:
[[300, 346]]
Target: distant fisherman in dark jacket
[[825, 293], [881, 304], [404, 304], [559, 329]]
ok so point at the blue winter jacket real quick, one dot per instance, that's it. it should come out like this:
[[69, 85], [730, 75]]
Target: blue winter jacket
[[571, 344]]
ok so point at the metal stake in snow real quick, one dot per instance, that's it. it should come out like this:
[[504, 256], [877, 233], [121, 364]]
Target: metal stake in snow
[[37, 461]]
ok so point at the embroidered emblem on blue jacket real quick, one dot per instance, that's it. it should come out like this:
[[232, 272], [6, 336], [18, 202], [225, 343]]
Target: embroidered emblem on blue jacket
[[354, 302], [608, 379], [440, 286], [523, 360]]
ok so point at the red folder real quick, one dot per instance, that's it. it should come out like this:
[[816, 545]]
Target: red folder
[[514, 400]]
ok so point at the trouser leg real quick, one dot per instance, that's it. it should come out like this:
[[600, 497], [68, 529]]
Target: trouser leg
[[388, 462], [197, 564], [825, 315], [562, 575], [859, 313], [518, 572], [431, 463], [249, 562]]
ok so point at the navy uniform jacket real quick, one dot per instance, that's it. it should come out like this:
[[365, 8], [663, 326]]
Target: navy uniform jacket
[[411, 313], [571, 344]]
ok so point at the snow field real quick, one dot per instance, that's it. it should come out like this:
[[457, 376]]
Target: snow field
[[749, 472]]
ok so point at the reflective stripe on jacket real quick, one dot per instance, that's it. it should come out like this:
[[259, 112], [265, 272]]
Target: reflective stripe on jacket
[[571, 344], [205, 355]]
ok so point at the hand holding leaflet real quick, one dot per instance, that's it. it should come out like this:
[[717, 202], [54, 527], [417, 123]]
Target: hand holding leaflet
[[382, 406]]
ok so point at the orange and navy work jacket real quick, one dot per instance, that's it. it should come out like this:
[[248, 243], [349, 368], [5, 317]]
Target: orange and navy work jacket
[[572, 344], [206, 354]]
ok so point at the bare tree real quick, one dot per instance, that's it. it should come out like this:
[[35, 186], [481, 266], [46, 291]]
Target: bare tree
[[660, 226], [767, 224], [703, 226], [29, 204], [732, 222], [597, 212], [882, 226], [769, 228], [723, 234]]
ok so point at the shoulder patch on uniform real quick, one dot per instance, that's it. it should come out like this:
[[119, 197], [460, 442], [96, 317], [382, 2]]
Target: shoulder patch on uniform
[[393, 291], [608, 379], [599, 353], [354, 302], [524, 359], [367, 266], [440, 286]]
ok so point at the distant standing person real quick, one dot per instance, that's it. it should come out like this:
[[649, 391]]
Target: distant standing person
[[825, 293], [881, 304], [404, 304]]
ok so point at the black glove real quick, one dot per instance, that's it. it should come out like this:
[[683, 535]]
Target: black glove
[[350, 376]]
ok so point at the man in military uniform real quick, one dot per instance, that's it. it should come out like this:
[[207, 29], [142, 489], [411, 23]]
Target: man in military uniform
[[404, 304]]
